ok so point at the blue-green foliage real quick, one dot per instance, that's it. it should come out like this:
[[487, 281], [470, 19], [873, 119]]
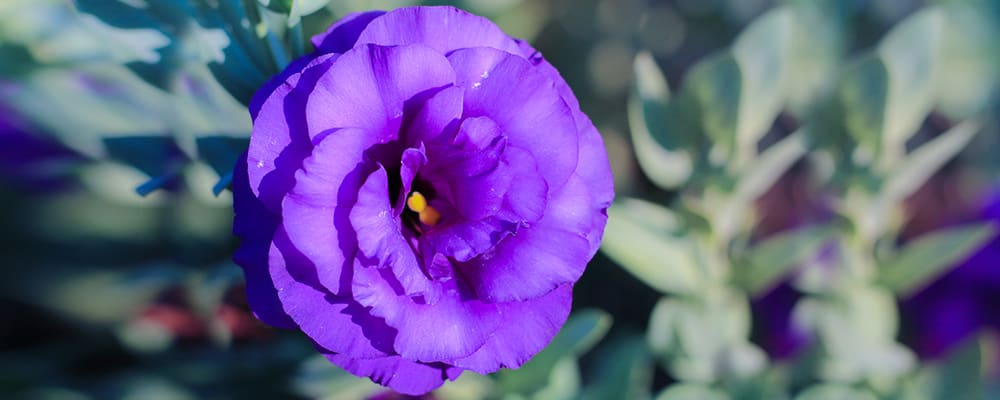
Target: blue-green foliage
[[718, 142]]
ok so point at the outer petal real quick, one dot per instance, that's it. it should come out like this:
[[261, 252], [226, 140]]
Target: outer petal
[[593, 166], [454, 327], [541, 257], [404, 376], [523, 102], [316, 212], [526, 329], [342, 35], [265, 91], [443, 28], [371, 87], [255, 226], [279, 142], [337, 324]]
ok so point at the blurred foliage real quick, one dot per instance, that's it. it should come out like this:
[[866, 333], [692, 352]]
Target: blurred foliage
[[759, 147]]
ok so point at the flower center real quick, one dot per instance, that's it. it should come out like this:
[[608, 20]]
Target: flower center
[[417, 203]]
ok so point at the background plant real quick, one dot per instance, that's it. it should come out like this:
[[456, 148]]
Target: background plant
[[771, 159]]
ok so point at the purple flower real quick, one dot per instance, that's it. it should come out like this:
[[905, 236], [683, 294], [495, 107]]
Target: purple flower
[[419, 197]]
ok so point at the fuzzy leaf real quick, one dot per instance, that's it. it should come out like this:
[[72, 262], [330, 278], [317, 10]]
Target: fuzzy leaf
[[770, 261], [931, 255], [638, 238], [657, 128]]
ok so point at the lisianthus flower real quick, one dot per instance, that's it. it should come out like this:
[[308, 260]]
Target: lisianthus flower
[[419, 197]]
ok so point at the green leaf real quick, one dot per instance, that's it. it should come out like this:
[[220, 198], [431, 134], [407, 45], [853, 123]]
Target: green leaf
[[931, 255], [863, 93], [704, 339], [961, 375], [625, 372], [770, 261], [301, 8], [640, 239], [968, 62], [910, 53], [564, 381], [715, 84], [834, 392], [317, 378], [761, 52], [657, 128], [761, 174], [689, 391], [923, 162], [756, 178], [92, 102], [581, 332]]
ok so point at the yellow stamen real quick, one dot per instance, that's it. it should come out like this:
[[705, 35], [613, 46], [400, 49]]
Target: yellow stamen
[[416, 202], [429, 216]]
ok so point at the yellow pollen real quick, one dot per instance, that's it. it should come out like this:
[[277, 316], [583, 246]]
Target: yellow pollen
[[429, 216], [416, 202]]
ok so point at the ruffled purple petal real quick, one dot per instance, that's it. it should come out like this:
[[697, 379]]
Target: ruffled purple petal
[[540, 257], [434, 120], [316, 211], [454, 327], [370, 87], [380, 240], [522, 102], [444, 29], [398, 373], [527, 327], [343, 34], [279, 141], [337, 324]]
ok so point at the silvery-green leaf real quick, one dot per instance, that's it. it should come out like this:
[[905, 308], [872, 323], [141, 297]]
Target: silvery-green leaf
[[655, 127], [728, 212], [581, 332], [968, 59], [127, 45], [93, 102], [564, 381], [834, 392], [817, 45], [715, 84], [761, 52], [765, 170], [961, 375], [703, 339], [203, 108], [690, 391], [931, 255], [301, 8], [657, 255], [624, 372], [468, 386], [923, 162], [660, 334], [910, 53], [319, 379], [863, 93], [770, 261]]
